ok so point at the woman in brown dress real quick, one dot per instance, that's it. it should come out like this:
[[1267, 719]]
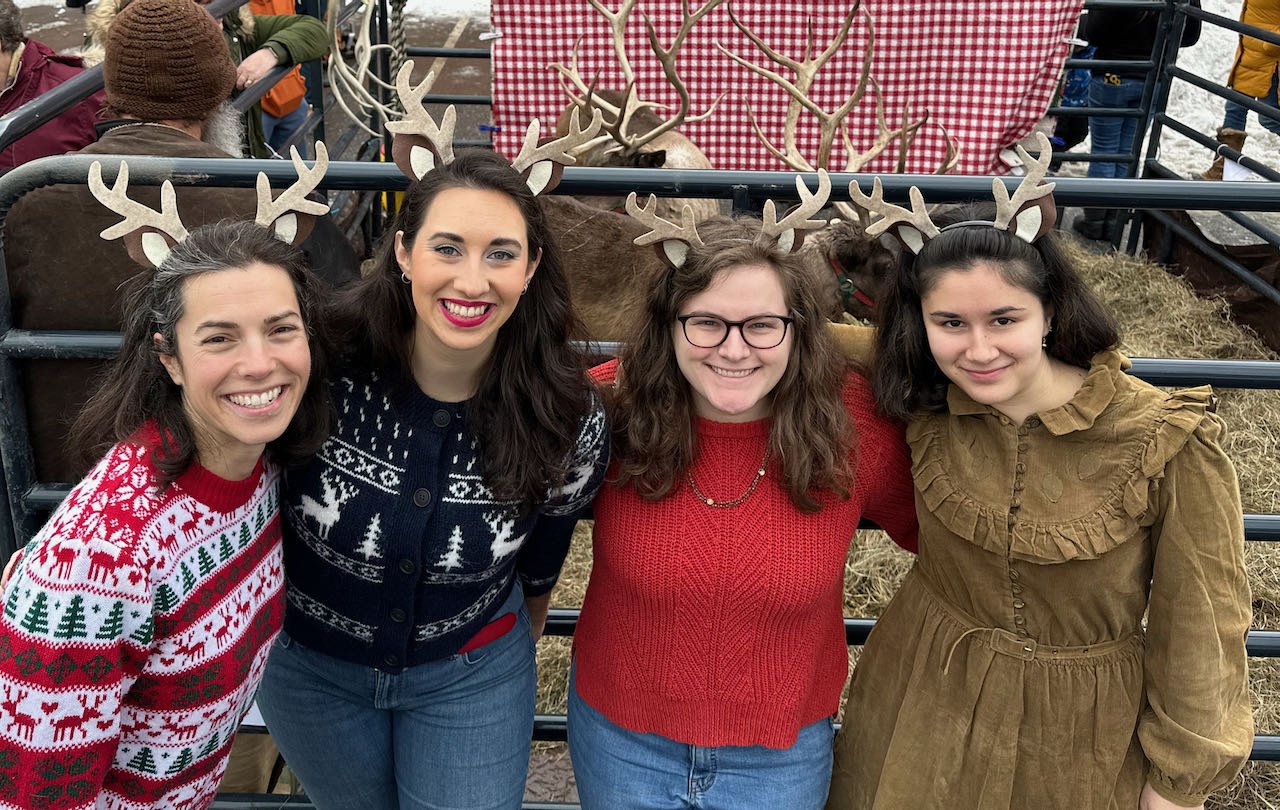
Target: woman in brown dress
[[1061, 501]]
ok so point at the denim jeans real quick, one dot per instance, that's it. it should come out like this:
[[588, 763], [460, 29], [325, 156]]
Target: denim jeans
[[275, 131], [1110, 135], [1237, 114], [449, 734], [619, 769]]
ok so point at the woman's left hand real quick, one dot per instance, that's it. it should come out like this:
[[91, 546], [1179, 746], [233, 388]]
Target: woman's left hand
[[1150, 800], [255, 66], [537, 607], [9, 566]]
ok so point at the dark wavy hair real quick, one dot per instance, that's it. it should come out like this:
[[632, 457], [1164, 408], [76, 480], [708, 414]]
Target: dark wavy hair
[[533, 392], [906, 379], [137, 388], [812, 436]]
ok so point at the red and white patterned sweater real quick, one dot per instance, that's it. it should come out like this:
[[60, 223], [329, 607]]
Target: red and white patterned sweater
[[133, 636]]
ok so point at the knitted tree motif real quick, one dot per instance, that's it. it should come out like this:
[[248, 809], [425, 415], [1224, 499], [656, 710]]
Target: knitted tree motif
[[166, 599], [72, 623], [245, 537], [37, 618], [210, 746], [225, 549], [259, 518], [188, 579], [206, 562], [181, 761], [143, 761], [144, 634], [113, 626], [11, 606]]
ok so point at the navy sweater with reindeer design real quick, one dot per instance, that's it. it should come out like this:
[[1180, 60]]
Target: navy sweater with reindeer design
[[396, 551]]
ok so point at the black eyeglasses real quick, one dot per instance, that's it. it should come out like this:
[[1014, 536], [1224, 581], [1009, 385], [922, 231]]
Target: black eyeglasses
[[709, 331]]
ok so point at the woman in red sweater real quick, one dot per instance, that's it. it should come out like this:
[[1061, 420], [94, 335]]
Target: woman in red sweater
[[711, 652]]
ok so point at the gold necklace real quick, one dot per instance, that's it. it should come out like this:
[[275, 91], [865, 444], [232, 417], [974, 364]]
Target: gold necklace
[[713, 503]]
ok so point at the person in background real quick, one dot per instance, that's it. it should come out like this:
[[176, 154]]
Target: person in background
[[151, 596], [711, 651], [1120, 34], [284, 107], [1072, 634], [28, 69], [257, 45], [1255, 72]]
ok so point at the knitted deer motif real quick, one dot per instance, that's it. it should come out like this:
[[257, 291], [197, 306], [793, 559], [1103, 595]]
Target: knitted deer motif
[[24, 724], [327, 510], [67, 726], [183, 732], [190, 652], [502, 527], [104, 558]]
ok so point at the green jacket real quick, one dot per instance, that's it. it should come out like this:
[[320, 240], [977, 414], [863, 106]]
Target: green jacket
[[293, 38]]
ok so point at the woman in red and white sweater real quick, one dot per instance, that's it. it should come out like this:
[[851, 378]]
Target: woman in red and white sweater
[[711, 652], [136, 624]]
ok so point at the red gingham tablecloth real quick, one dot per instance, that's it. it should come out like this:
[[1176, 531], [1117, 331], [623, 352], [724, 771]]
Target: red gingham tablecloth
[[983, 69]]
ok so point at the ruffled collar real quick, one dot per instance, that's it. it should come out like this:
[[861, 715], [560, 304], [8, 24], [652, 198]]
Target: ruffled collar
[[1094, 395]]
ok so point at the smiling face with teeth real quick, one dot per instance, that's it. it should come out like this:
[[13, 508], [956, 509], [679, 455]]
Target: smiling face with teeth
[[732, 382], [468, 264], [242, 360]]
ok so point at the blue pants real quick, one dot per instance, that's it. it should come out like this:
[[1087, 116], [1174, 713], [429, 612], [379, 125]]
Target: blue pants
[[1237, 114], [1109, 135], [616, 768], [449, 734], [275, 131]]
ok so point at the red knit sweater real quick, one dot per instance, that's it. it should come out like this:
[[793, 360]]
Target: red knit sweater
[[724, 626]]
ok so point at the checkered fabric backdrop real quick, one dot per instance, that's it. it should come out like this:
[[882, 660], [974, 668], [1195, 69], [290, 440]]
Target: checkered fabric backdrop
[[984, 70]]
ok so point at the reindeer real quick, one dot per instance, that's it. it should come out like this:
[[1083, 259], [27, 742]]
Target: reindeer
[[636, 136], [327, 511], [190, 652], [25, 724], [104, 558], [67, 726], [220, 634], [183, 732]]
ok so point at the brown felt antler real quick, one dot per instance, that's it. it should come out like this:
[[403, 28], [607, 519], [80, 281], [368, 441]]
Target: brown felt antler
[[914, 227], [787, 228], [420, 144], [148, 234], [543, 163], [1026, 210], [281, 215], [675, 239]]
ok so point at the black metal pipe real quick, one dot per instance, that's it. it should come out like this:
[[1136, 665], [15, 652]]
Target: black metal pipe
[[455, 53], [1226, 93], [1270, 235], [1231, 24], [1261, 169], [450, 98]]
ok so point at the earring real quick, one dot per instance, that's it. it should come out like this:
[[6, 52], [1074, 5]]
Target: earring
[[1044, 341], [526, 287], [404, 277]]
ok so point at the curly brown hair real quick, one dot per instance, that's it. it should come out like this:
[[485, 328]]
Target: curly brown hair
[[811, 438]]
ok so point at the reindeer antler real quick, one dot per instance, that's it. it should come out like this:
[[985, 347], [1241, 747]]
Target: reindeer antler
[[142, 226], [541, 160], [675, 239], [418, 123], [618, 26], [785, 229], [919, 227], [275, 215], [136, 215], [1029, 189]]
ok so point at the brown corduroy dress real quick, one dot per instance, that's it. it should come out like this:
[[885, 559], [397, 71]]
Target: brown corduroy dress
[[1013, 669]]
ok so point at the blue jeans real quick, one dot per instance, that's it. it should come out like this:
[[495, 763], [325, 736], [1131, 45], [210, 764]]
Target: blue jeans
[[1237, 114], [618, 769], [275, 131], [1109, 135], [449, 734]]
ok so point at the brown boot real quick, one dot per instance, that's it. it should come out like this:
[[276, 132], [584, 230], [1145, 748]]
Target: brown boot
[[1228, 137]]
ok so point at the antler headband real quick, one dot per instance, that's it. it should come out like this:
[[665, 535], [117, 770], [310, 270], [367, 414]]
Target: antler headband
[[149, 234], [420, 144], [675, 239], [1028, 213]]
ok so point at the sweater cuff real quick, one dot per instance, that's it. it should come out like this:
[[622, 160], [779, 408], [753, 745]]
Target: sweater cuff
[[1160, 784], [281, 52], [537, 587]]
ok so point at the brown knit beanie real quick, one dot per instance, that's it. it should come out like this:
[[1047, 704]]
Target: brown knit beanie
[[167, 60]]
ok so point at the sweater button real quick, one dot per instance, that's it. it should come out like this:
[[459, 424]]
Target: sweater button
[[421, 497], [441, 418], [398, 615], [406, 566], [1017, 603], [1019, 620]]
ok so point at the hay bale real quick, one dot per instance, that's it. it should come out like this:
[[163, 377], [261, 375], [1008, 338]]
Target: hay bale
[[1160, 317]]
